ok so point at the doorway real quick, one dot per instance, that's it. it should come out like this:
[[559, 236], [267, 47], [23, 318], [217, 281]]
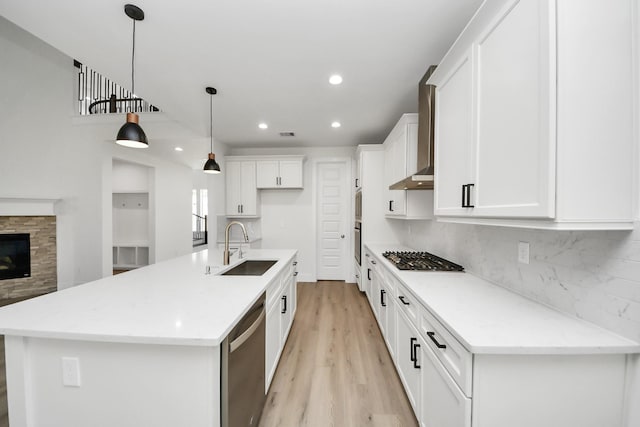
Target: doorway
[[333, 231]]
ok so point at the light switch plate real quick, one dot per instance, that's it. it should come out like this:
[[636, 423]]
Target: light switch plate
[[523, 252], [70, 372]]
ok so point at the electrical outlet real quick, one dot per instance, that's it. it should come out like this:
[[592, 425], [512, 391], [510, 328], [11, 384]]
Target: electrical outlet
[[71, 372], [523, 252]]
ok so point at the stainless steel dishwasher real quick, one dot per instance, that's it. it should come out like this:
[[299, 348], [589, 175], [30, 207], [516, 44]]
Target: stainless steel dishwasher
[[242, 370]]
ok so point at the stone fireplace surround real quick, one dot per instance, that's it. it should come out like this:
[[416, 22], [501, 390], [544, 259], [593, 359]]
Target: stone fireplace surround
[[36, 217]]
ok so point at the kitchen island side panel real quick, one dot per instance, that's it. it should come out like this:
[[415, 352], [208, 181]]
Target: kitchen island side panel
[[120, 384]]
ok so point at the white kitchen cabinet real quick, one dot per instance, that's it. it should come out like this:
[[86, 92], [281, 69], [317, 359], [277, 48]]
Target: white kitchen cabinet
[[281, 308], [280, 173], [454, 127], [450, 386], [442, 402], [519, 140], [400, 152], [242, 195], [272, 343], [407, 362]]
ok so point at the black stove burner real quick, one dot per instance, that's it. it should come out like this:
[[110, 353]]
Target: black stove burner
[[406, 260]]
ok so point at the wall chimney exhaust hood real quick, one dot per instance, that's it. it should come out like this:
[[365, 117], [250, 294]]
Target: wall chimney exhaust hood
[[423, 178]]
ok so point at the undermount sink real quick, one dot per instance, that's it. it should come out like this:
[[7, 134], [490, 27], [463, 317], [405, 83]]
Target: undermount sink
[[251, 267]]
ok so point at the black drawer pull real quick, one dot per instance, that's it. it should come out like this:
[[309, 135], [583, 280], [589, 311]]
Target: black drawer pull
[[295, 273], [415, 356], [435, 341], [390, 205], [368, 274], [373, 262], [401, 298], [284, 309], [466, 196], [295, 262], [412, 349], [382, 301]]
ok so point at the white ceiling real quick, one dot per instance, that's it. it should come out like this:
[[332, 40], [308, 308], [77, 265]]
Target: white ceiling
[[269, 59]]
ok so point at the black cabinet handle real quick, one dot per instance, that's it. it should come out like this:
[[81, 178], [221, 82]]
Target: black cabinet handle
[[284, 309], [373, 262], [295, 262], [382, 293], [357, 182], [357, 276], [401, 298], [295, 273], [412, 349], [466, 196], [435, 341], [390, 205], [367, 255], [238, 208], [415, 355], [241, 208], [368, 274]]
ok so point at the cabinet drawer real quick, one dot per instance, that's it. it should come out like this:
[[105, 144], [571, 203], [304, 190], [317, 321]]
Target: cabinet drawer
[[443, 403], [455, 358], [408, 303], [391, 281]]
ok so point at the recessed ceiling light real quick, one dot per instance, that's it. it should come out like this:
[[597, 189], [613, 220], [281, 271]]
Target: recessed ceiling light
[[335, 125], [336, 79], [263, 126], [178, 149]]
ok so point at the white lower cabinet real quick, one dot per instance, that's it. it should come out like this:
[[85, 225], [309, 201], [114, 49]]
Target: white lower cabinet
[[442, 403], [272, 343], [407, 363], [281, 309], [448, 386]]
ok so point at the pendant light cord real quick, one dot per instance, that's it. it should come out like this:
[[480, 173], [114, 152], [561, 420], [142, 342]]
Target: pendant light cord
[[211, 119], [133, 55]]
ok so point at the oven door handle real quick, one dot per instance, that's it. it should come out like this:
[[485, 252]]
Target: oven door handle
[[233, 346]]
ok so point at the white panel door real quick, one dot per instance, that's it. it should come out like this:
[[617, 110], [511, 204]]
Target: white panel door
[[333, 213], [516, 114], [249, 202]]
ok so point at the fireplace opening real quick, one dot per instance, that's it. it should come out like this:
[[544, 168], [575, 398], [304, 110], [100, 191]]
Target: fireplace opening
[[15, 256]]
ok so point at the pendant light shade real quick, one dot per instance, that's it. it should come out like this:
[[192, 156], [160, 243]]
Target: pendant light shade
[[211, 166], [131, 134]]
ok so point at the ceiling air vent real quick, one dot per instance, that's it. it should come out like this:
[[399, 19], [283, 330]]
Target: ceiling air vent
[[287, 134]]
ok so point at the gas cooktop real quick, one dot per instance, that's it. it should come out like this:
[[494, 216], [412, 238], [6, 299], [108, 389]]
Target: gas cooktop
[[407, 260]]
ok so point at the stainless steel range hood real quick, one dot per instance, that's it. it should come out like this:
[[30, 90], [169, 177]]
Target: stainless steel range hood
[[423, 178]]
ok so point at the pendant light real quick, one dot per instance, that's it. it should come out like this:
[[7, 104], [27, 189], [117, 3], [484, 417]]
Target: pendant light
[[131, 134], [211, 166]]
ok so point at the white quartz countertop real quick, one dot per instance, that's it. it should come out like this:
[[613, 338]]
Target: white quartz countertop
[[171, 302], [490, 319]]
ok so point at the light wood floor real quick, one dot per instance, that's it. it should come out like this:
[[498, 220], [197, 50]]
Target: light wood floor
[[335, 369]]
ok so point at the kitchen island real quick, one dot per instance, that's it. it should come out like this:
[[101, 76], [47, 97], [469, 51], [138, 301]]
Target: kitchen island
[[136, 349]]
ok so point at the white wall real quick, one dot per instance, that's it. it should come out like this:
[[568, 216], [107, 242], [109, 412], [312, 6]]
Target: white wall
[[48, 153], [288, 216]]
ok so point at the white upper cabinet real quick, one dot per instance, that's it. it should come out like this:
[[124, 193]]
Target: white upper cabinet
[[454, 159], [242, 195], [529, 132], [400, 148], [284, 172]]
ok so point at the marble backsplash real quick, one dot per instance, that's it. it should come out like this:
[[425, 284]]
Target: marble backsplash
[[593, 275]]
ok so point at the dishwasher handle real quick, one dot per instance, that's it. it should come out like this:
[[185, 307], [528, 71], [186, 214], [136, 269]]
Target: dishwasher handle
[[233, 345]]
